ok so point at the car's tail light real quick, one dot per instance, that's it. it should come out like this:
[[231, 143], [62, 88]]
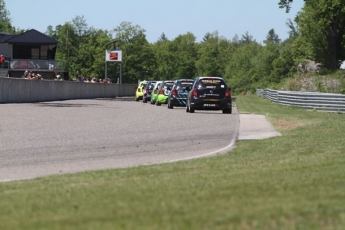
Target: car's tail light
[[161, 91], [174, 93], [155, 91], [195, 93], [147, 90], [139, 90], [227, 93]]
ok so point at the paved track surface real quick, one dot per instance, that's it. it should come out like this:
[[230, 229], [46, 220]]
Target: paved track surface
[[40, 139]]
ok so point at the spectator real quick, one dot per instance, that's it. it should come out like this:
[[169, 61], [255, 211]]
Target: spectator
[[29, 75], [39, 77], [32, 76], [2, 61], [25, 75]]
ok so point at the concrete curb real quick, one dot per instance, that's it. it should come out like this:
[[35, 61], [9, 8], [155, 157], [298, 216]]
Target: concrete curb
[[255, 127]]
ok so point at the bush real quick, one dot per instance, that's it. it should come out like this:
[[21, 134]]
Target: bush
[[293, 85]]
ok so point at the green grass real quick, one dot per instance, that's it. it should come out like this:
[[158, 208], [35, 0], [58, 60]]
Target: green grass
[[296, 181]]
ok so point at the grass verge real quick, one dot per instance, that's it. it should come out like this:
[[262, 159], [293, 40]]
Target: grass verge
[[296, 181]]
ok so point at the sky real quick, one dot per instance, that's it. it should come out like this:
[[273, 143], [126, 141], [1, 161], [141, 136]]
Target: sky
[[171, 17]]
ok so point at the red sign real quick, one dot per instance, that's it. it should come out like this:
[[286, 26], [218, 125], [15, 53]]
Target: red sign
[[114, 56]]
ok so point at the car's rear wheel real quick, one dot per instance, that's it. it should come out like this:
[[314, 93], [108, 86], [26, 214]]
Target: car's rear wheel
[[157, 103], [187, 108], [151, 102], [191, 109], [227, 111], [170, 106]]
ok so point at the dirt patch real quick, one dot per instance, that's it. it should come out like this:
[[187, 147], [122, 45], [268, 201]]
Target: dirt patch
[[287, 125]]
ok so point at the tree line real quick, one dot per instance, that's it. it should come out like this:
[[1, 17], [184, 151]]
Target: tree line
[[315, 33]]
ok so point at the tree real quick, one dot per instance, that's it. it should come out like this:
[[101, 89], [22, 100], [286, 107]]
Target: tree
[[138, 54], [163, 38], [310, 44], [247, 39], [330, 18], [239, 73], [209, 58], [293, 33], [80, 26], [165, 59], [207, 63], [5, 21], [188, 54], [207, 37], [235, 39], [285, 4], [272, 37]]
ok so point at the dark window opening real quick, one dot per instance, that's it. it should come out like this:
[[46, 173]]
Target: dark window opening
[[43, 52]]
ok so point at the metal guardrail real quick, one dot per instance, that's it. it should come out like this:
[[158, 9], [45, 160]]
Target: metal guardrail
[[327, 102]]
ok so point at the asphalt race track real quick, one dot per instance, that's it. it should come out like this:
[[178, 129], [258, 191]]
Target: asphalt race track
[[40, 139]]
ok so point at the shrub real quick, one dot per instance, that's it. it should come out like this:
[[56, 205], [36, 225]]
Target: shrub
[[293, 85]]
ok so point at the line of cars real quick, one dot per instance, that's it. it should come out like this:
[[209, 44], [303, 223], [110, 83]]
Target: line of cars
[[203, 93]]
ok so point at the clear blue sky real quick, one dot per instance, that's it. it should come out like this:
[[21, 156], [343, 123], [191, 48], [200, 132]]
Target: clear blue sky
[[174, 17]]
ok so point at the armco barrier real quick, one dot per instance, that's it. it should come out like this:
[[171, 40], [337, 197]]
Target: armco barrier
[[16, 90], [328, 102]]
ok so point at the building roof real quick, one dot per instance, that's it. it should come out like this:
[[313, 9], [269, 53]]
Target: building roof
[[6, 37], [29, 37]]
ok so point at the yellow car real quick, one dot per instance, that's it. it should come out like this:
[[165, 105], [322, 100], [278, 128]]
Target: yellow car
[[139, 92]]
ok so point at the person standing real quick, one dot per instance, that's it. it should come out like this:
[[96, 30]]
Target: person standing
[[2, 60]]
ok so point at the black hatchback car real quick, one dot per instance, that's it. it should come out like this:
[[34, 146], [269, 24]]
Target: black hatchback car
[[179, 92], [209, 93], [148, 90]]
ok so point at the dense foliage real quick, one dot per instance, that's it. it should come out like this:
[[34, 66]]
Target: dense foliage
[[316, 33], [5, 21]]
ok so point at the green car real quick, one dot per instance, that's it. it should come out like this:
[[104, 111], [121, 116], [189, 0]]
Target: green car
[[155, 91], [164, 90]]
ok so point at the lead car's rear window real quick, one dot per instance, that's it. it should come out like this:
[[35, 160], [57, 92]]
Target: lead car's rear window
[[185, 85], [211, 84]]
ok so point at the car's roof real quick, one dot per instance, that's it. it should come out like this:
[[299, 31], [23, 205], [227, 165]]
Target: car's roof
[[211, 77], [178, 80]]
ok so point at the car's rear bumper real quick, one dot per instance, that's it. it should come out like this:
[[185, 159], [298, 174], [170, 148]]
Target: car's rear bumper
[[147, 97], [153, 98], [178, 101], [162, 99], [211, 104]]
